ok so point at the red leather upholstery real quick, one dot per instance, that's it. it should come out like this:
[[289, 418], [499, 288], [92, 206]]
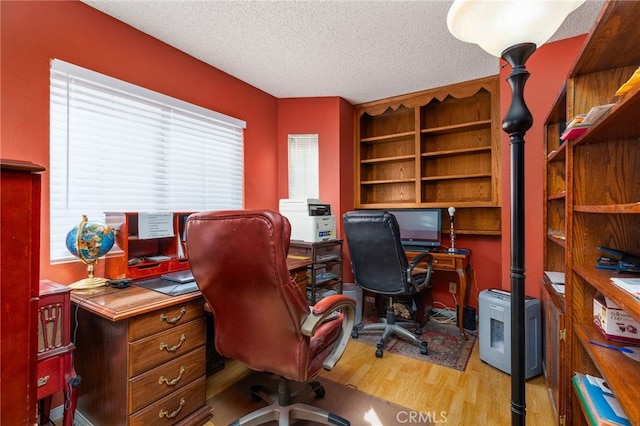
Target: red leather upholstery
[[238, 259]]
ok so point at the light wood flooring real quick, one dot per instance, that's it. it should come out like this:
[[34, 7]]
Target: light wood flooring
[[481, 395]]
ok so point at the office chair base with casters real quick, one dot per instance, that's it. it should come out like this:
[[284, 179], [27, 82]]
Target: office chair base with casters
[[390, 327], [282, 409]]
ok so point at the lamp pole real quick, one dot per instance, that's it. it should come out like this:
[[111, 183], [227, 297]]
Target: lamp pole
[[516, 123]]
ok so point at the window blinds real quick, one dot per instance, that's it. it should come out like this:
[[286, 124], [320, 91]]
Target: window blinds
[[115, 146], [304, 178]]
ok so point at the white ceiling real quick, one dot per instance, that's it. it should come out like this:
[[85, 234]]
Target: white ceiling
[[359, 50]]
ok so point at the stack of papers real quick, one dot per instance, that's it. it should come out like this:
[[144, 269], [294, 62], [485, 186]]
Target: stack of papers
[[630, 285], [557, 280]]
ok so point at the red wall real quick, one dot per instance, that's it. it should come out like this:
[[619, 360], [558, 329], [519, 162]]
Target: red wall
[[549, 67], [34, 32], [332, 118]]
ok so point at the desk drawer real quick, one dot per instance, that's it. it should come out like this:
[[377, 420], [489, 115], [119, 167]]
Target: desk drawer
[[166, 319], [173, 407], [448, 262], [155, 384], [152, 351], [50, 376]]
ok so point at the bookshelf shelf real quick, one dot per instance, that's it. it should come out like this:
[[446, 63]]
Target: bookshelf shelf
[[619, 371]]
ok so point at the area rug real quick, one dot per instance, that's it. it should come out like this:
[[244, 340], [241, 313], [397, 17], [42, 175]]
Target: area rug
[[360, 408], [445, 345]]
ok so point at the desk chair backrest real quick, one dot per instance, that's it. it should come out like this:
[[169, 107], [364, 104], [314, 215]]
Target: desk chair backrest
[[378, 260], [238, 259]]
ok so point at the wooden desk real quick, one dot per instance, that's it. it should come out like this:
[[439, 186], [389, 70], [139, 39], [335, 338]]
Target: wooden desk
[[142, 357], [460, 263], [296, 264], [126, 379]]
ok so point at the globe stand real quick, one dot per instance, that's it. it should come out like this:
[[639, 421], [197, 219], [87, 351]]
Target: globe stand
[[90, 282], [88, 241]]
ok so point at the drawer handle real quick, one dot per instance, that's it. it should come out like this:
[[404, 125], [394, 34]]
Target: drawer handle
[[43, 381], [172, 382], [165, 347], [165, 413], [173, 320]]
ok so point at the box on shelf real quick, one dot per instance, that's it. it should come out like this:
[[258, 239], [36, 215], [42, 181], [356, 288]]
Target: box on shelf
[[613, 322]]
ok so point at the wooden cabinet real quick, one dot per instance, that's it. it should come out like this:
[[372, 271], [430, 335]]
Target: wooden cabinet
[[554, 339], [141, 355], [19, 288], [325, 270], [437, 148], [56, 371], [556, 228], [138, 256], [602, 179]]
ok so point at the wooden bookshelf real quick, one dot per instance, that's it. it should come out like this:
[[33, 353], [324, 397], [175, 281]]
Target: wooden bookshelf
[[592, 197], [433, 149]]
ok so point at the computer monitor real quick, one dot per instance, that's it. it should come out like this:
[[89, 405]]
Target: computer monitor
[[419, 228]]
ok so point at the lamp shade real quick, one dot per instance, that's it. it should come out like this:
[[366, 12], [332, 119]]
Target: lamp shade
[[496, 25]]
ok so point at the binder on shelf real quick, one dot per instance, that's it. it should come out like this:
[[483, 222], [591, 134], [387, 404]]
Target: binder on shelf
[[618, 261], [600, 407]]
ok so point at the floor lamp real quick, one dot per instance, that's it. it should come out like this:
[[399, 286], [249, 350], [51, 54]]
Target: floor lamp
[[511, 30]]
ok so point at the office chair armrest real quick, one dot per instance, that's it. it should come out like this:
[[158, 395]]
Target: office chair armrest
[[323, 310], [422, 263]]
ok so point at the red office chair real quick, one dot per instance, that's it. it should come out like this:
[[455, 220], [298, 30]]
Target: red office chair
[[262, 318]]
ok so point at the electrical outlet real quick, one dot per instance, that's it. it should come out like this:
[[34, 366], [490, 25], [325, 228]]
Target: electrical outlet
[[452, 288]]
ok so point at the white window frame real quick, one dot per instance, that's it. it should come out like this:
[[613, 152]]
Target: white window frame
[[304, 167], [115, 146]]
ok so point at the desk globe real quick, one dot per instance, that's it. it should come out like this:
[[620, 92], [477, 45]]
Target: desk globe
[[94, 239]]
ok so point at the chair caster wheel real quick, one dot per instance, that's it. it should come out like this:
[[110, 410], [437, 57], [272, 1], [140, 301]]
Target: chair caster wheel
[[379, 347], [418, 331], [255, 392], [317, 388], [354, 333], [423, 349]]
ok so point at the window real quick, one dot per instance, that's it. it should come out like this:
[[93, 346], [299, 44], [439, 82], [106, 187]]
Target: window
[[303, 166], [119, 147]]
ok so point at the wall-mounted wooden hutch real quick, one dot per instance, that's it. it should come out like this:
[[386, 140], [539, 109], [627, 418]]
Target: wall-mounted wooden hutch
[[433, 149]]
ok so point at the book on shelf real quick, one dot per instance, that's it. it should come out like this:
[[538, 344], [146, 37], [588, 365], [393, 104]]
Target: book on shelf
[[581, 123], [598, 402], [574, 128]]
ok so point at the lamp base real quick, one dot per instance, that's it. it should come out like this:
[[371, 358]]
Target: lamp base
[[88, 283]]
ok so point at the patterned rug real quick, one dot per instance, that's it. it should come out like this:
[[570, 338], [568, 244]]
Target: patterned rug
[[445, 345]]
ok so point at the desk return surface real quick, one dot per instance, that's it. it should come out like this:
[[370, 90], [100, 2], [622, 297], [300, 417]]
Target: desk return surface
[[141, 355]]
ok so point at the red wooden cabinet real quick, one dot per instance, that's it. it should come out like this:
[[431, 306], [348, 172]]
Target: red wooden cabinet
[[55, 351], [19, 276]]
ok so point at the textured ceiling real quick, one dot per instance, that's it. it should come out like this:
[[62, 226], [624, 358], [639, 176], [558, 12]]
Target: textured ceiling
[[359, 50]]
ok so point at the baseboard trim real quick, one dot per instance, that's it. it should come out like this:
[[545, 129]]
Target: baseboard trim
[[57, 413]]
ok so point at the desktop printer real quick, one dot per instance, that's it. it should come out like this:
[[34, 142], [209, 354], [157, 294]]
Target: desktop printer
[[310, 219]]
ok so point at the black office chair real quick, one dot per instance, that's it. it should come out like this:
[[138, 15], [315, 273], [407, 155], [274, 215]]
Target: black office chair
[[379, 265]]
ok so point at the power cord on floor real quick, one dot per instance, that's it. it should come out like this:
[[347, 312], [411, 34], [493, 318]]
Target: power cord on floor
[[442, 318]]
